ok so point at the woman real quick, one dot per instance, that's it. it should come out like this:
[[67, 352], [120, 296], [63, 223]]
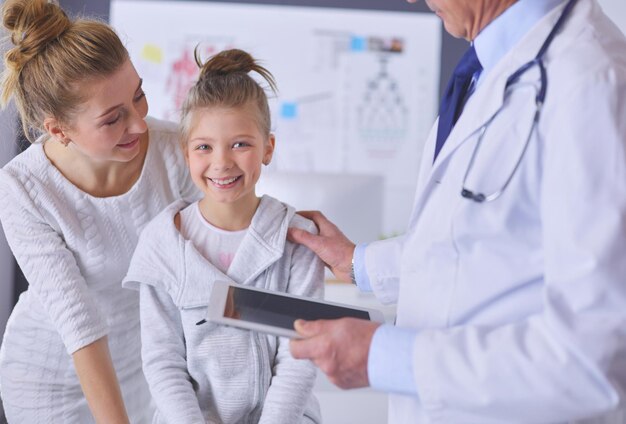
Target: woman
[[72, 206]]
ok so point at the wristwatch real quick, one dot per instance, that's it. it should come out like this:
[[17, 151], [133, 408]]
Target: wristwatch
[[352, 275]]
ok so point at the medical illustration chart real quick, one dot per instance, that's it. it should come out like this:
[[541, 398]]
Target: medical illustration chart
[[358, 90]]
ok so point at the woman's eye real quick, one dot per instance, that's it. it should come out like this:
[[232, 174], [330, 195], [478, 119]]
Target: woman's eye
[[113, 121], [140, 96]]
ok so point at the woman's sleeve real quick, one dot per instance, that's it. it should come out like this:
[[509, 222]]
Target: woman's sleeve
[[50, 268], [288, 399]]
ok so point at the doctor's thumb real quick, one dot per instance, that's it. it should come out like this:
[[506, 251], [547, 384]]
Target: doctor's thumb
[[307, 328]]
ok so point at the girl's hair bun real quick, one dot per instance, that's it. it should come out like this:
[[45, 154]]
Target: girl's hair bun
[[226, 62], [233, 61]]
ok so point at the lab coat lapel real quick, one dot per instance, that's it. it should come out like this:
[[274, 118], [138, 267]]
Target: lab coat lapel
[[264, 242], [481, 106]]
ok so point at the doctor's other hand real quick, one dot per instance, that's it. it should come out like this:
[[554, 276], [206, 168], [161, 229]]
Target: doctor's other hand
[[331, 245], [340, 348]]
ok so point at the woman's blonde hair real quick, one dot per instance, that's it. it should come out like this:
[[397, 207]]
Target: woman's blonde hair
[[52, 54], [224, 82]]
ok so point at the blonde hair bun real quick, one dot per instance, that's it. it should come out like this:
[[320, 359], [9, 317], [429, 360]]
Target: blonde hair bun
[[33, 25], [232, 61], [52, 56], [226, 62]]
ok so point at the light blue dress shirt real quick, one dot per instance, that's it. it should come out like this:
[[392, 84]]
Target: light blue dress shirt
[[390, 358]]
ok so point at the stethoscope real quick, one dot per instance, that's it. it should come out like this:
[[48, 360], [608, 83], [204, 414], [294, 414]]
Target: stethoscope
[[539, 100]]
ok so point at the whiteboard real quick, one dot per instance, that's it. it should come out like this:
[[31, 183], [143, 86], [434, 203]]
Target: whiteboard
[[358, 89]]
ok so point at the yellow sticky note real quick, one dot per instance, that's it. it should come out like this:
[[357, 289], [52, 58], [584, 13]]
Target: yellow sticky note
[[152, 53]]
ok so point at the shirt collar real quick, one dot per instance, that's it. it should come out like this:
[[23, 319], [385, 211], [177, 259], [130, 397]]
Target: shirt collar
[[501, 35]]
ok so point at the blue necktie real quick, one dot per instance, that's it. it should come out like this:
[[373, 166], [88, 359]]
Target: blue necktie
[[455, 96]]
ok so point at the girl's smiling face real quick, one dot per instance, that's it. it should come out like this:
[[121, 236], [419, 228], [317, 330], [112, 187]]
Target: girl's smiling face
[[225, 151]]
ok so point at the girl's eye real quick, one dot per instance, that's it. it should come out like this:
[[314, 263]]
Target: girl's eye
[[203, 147], [240, 144]]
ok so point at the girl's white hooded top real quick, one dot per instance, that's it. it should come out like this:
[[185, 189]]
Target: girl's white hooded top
[[212, 373]]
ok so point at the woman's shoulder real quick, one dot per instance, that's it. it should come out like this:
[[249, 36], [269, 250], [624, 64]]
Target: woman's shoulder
[[28, 173], [162, 132], [164, 148], [28, 162]]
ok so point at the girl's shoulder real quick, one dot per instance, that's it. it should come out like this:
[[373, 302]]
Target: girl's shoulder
[[161, 229], [156, 259], [272, 213], [298, 221]]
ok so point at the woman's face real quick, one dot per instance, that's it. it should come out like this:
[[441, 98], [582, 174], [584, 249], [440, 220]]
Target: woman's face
[[108, 125]]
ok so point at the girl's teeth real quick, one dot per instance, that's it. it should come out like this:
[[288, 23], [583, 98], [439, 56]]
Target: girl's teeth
[[225, 182]]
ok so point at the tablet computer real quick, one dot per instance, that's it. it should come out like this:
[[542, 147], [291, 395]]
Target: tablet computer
[[273, 312]]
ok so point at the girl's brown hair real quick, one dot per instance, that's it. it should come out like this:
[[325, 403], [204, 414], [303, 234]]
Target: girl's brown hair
[[52, 54], [224, 82]]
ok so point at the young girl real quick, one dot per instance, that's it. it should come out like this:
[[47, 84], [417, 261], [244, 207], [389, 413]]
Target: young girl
[[212, 373], [71, 207]]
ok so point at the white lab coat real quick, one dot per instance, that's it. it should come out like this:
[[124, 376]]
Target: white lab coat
[[520, 303]]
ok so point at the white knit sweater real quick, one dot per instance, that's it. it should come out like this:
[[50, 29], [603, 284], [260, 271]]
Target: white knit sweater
[[74, 250]]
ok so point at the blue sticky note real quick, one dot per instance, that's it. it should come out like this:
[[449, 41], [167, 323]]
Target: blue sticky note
[[289, 110], [358, 44]]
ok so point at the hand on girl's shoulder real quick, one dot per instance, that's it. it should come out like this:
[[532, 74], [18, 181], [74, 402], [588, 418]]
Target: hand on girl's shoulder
[[298, 221]]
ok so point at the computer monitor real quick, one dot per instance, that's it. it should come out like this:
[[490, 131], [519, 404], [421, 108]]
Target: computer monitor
[[354, 202]]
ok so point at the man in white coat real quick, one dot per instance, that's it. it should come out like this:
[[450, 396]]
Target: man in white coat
[[510, 281]]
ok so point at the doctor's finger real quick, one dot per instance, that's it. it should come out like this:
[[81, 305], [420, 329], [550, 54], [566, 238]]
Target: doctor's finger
[[325, 226], [304, 348], [300, 236], [314, 343], [312, 215]]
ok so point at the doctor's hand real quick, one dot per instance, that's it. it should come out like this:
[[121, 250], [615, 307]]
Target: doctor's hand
[[340, 348], [331, 245]]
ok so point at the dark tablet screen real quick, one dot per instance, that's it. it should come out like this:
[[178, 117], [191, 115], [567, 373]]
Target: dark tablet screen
[[281, 311]]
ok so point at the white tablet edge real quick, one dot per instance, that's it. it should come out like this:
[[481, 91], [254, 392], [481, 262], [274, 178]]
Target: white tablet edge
[[217, 304]]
